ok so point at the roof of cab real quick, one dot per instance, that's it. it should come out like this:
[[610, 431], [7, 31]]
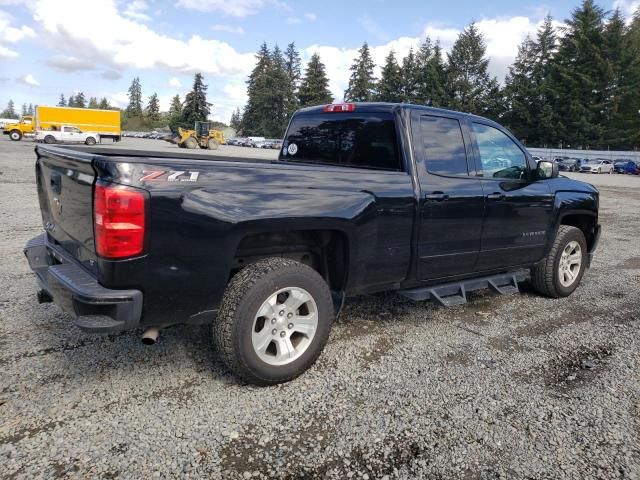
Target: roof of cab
[[390, 107]]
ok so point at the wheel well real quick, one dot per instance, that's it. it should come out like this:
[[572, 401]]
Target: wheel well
[[586, 223], [323, 250]]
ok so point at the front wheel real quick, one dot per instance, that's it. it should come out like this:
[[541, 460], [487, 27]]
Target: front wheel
[[560, 272], [274, 321], [15, 135], [49, 139], [213, 144], [90, 141]]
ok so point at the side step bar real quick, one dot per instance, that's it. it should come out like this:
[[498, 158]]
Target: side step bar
[[455, 293]]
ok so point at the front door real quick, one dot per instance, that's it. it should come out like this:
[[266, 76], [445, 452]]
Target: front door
[[451, 198], [518, 218]]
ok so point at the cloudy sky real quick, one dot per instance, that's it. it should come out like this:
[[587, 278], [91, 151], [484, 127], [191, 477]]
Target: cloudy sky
[[48, 47]]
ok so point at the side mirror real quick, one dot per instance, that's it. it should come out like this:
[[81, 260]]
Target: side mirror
[[547, 169]]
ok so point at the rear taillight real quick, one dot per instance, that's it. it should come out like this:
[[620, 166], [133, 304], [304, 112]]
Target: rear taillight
[[339, 107], [119, 220]]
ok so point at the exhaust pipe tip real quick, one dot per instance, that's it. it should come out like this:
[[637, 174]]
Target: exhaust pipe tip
[[150, 336]]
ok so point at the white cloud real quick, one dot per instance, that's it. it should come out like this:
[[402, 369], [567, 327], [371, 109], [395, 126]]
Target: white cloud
[[627, 7], [7, 52], [227, 28], [232, 8], [294, 20], [12, 35], [175, 82], [29, 80], [70, 64], [135, 11], [69, 33], [312, 17]]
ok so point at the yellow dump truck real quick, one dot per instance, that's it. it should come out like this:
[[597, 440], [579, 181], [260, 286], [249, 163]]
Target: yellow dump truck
[[104, 122]]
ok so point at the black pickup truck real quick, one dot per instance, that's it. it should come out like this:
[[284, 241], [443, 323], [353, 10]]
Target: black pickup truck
[[363, 198]]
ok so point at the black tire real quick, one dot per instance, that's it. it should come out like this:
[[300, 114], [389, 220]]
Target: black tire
[[90, 141], [246, 292], [49, 139], [15, 135], [545, 277], [191, 143]]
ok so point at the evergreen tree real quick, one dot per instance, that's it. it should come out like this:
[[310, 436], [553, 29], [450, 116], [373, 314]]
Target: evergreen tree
[[153, 108], [622, 87], [409, 72], [24, 109], [30, 110], [469, 85], [104, 104], [362, 84], [10, 111], [93, 102], [258, 103], [628, 117], [580, 77], [314, 88], [236, 120], [430, 75], [279, 96], [134, 109], [80, 101], [196, 108], [175, 113], [390, 86], [292, 66], [63, 101], [175, 108], [522, 92], [72, 101]]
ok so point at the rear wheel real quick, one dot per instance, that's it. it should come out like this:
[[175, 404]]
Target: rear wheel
[[49, 139], [274, 321], [213, 144], [191, 143], [559, 274], [15, 135]]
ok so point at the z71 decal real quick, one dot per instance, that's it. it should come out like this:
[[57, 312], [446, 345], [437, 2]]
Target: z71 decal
[[169, 176]]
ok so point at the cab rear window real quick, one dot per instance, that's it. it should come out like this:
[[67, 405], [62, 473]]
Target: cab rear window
[[343, 139]]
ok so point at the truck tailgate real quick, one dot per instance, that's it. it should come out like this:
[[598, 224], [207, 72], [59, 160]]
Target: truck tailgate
[[65, 189]]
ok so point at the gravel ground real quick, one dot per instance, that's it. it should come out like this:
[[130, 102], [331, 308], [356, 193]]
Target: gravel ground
[[503, 387]]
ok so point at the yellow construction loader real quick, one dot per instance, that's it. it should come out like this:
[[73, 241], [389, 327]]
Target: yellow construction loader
[[202, 136]]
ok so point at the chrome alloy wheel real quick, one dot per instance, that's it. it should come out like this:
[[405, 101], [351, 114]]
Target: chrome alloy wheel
[[570, 263], [284, 326]]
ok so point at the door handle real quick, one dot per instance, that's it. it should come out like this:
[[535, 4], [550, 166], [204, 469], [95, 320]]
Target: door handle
[[496, 196], [436, 196]]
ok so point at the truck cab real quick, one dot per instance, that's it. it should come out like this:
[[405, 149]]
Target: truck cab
[[16, 131]]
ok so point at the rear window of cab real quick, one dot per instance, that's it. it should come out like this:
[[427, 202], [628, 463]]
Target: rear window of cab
[[365, 140]]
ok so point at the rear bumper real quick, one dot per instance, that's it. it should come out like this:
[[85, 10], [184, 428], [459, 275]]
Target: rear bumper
[[94, 308]]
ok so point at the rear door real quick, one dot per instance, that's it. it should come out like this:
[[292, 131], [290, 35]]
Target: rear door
[[451, 197], [519, 209]]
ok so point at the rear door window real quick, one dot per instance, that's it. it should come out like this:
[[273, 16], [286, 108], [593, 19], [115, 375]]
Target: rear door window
[[360, 140], [443, 146]]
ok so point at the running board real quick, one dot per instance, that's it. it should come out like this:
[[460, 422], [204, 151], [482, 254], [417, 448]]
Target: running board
[[455, 293]]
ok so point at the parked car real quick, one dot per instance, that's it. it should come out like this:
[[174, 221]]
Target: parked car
[[598, 165], [67, 134], [632, 168], [135, 241], [620, 165], [569, 164]]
